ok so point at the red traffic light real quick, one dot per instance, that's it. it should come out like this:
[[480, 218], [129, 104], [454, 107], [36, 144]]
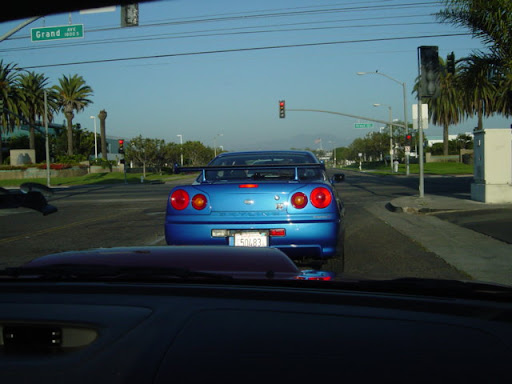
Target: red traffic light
[[281, 109], [408, 137], [121, 142]]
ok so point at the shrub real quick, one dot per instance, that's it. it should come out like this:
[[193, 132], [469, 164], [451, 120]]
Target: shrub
[[103, 163], [56, 166], [75, 159]]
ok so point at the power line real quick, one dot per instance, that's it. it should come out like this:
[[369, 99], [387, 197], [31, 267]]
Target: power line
[[207, 33], [150, 57], [265, 14]]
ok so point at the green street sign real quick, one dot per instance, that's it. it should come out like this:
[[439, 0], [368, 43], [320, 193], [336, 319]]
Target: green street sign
[[72, 31], [363, 125]]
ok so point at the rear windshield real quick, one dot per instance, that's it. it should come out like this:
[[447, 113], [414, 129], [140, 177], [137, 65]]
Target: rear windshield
[[264, 160]]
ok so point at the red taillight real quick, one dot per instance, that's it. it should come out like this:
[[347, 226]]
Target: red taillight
[[199, 201], [278, 232], [179, 199], [323, 278], [299, 200], [321, 197], [248, 186]]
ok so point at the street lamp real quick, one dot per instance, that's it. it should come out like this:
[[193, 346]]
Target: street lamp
[[181, 148], [390, 132], [95, 141], [47, 138], [215, 143], [404, 91]]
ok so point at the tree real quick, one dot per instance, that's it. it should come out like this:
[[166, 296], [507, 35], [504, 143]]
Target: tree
[[489, 21], [32, 87], [342, 153], [83, 142], [478, 84], [173, 152], [486, 76], [377, 144], [147, 152], [103, 133], [195, 153], [9, 97], [446, 107], [137, 150], [464, 141], [73, 95]]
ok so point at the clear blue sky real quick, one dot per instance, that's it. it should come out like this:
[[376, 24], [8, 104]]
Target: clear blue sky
[[204, 94]]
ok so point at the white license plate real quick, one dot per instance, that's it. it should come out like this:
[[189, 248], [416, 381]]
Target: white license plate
[[251, 239]]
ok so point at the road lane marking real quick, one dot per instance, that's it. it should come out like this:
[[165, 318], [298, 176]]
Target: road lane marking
[[156, 241]]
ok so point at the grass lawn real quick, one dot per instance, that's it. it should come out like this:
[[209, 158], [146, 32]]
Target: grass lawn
[[95, 178], [135, 178], [429, 168]]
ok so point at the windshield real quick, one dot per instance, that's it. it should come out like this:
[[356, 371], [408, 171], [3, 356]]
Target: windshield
[[265, 165], [304, 114]]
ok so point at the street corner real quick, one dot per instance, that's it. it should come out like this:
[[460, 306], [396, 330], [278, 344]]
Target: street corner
[[432, 204], [408, 204]]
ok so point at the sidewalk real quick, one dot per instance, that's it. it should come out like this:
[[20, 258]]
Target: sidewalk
[[438, 203], [478, 255]]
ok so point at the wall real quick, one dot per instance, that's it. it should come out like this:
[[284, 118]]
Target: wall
[[35, 173], [22, 156]]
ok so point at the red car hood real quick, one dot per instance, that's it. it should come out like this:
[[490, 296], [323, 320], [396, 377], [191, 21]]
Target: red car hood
[[242, 263]]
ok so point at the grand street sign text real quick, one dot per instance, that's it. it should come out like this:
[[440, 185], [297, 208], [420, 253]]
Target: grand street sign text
[[74, 31]]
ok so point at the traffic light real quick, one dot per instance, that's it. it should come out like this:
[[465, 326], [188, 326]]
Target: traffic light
[[121, 146], [450, 63], [408, 140], [281, 109], [429, 70], [129, 15]]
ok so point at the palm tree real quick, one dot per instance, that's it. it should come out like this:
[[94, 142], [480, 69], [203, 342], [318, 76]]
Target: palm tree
[[32, 87], [503, 104], [73, 95], [478, 84], [486, 76], [8, 99], [103, 133], [446, 105], [489, 21]]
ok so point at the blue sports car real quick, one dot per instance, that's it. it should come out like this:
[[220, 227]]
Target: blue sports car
[[280, 199]]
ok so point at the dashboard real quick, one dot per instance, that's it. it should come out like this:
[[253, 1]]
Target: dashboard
[[160, 333]]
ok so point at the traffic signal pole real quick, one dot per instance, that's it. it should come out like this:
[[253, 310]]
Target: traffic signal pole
[[428, 72], [421, 187], [347, 115]]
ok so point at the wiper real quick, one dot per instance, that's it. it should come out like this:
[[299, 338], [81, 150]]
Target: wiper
[[108, 272]]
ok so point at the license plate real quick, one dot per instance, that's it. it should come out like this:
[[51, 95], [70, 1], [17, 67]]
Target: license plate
[[251, 239]]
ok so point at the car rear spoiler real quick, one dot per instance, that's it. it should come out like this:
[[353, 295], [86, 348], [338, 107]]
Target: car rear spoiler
[[205, 168]]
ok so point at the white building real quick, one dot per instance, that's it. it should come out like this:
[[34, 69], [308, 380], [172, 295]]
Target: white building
[[439, 139]]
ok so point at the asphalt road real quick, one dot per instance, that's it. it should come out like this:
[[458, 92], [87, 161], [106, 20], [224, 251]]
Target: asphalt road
[[496, 223], [88, 217], [119, 215], [376, 249]]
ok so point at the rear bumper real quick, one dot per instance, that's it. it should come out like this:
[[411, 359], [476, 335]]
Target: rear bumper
[[310, 240]]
